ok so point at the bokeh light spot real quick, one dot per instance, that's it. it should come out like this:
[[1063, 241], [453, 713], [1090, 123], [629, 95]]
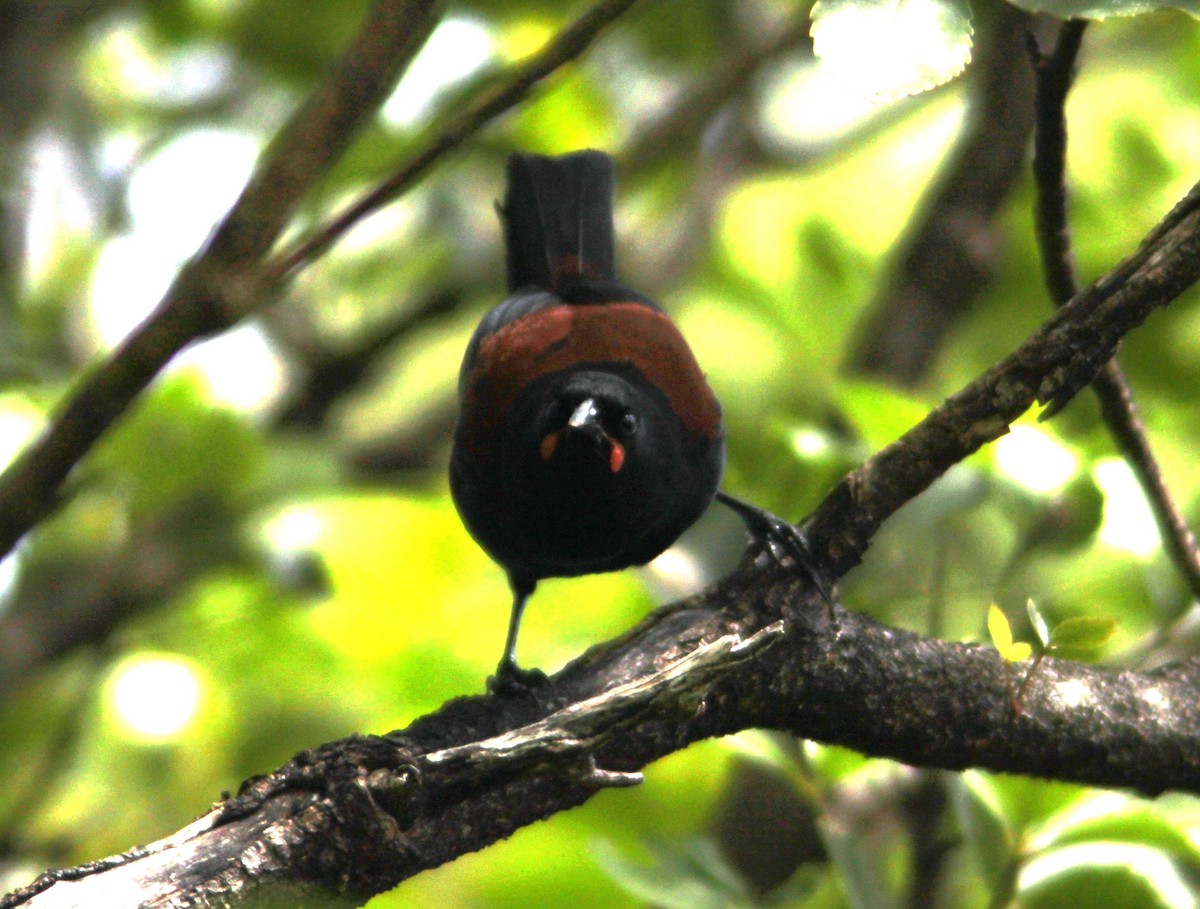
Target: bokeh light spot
[[154, 697], [1033, 459], [1128, 522]]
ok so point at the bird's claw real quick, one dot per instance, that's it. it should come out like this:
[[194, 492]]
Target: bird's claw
[[511, 680], [782, 539]]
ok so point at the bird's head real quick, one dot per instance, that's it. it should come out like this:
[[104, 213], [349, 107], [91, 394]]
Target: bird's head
[[593, 433]]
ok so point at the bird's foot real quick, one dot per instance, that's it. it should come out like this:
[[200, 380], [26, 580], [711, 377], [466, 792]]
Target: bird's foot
[[511, 680], [782, 539]]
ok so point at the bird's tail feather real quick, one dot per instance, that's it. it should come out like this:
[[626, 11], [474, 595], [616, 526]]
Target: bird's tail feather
[[558, 219]]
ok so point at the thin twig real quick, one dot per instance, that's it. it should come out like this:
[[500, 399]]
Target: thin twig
[[317, 134], [1055, 72], [563, 48]]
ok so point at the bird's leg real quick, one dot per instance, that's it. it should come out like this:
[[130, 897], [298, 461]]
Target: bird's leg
[[511, 679], [774, 533]]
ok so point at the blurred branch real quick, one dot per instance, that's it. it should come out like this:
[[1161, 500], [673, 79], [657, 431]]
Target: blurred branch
[[334, 374], [62, 603], [947, 256], [693, 110], [355, 817], [1055, 73], [228, 279], [505, 95], [57, 754]]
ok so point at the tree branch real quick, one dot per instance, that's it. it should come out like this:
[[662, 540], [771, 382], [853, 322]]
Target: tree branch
[[355, 817], [505, 95], [220, 285], [1055, 73], [948, 253], [1050, 368], [228, 279]]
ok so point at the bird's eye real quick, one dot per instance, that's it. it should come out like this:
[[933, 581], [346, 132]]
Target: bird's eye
[[628, 424]]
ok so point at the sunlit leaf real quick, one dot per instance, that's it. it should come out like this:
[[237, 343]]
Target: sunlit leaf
[[998, 629], [1104, 875], [1002, 637], [1084, 632], [893, 47], [1103, 9], [1018, 652]]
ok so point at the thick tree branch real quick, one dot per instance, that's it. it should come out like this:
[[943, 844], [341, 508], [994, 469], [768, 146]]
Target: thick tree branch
[[355, 817]]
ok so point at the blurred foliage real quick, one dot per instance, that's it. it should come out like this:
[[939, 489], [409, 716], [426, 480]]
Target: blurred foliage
[[308, 593]]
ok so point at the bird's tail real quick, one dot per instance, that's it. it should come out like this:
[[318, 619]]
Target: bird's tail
[[558, 219]]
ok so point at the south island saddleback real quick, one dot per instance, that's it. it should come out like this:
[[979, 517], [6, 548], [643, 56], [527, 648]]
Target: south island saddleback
[[588, 439]]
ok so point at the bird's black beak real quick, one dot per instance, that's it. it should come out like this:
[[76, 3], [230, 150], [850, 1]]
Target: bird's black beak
[[585, 424], [585, 421]]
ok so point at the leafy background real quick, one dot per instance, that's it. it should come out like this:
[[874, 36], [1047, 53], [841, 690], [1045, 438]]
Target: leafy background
[[263, 554]]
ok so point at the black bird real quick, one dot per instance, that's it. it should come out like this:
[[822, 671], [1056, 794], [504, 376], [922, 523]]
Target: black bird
[[588, 439]]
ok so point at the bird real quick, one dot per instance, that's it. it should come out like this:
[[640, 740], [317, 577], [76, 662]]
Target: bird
[[588, 439]]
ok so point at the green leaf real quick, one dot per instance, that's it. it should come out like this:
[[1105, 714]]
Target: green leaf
[[1103, 9], [985, 828], [893, 47], [691, 875], [1144, 826], [998, 629], [1084, 632], [1104, 875]]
